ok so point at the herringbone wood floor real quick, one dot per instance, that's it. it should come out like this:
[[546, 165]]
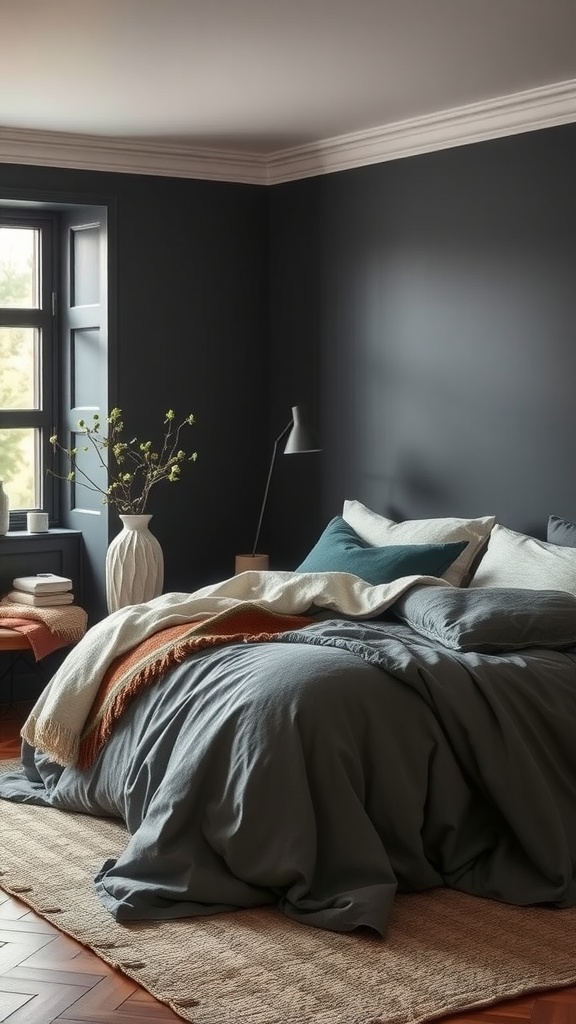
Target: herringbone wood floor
[[45, 976]]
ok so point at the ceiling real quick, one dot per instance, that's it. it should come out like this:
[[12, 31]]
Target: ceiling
[[258, 78]]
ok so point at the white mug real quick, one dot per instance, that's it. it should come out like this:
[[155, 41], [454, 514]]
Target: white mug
[[37, 522]]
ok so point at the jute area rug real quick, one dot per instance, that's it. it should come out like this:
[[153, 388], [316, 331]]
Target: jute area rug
[[444, 951]]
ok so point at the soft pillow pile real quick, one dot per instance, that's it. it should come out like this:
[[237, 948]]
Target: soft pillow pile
[[378, 530], [470, 554]]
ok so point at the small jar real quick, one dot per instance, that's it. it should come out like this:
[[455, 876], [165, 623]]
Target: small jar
[[37, 522]]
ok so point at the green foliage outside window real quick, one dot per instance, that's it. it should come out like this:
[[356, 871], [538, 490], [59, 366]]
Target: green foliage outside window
[[16, 387]]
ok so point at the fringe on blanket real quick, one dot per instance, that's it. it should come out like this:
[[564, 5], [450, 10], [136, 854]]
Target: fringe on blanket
[[60, 743]]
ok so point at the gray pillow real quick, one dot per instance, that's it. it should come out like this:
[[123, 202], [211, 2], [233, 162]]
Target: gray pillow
[[562, 532], [490, 619]]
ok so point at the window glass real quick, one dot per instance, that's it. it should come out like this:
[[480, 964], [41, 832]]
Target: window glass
[[18, 466], [19, 382], [19, 268], [27, 359], [85, 269]]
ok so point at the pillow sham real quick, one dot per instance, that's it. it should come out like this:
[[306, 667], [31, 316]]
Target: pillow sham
[[562, 532], [376, 529], [516, 560], [340, 549], [490, 619]]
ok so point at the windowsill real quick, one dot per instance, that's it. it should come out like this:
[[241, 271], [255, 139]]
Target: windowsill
[[55, 531]]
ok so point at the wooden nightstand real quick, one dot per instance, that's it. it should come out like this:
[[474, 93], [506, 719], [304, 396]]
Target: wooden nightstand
[[11, 640]]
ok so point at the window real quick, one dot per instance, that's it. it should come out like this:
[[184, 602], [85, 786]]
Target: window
[[27, 362]]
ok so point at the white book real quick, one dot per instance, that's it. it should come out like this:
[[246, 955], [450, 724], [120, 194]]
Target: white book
[[42, 583], [41, 600]]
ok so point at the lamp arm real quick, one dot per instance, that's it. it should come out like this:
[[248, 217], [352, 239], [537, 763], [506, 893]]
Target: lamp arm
[[267, 488]]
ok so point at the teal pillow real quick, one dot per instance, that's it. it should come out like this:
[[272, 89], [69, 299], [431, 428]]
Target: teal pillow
[[340, 549]]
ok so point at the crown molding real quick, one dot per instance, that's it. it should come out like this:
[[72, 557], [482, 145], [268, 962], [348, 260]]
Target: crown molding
[[477, 122], [127, 156], [460, 126]]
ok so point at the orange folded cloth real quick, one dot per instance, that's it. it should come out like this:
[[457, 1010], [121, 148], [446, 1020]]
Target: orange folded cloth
[[66, 624], [41, 640]]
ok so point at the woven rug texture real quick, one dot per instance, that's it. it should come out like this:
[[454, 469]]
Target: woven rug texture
[[444, 952]]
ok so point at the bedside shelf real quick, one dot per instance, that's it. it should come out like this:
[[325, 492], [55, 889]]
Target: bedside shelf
[[25, 554]]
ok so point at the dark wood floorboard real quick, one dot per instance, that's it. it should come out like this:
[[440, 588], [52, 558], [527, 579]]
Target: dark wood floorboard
[[45, 976]]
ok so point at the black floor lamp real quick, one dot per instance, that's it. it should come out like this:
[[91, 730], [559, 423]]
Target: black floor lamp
[[299, 442]]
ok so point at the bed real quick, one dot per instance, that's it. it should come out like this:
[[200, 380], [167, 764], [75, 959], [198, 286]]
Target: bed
[[398, 713]]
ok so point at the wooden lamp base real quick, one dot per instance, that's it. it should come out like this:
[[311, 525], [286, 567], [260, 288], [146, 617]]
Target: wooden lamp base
[[244, 563]]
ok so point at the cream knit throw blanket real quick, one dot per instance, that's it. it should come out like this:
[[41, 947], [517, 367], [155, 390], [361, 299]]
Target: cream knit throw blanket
[[56, 721]]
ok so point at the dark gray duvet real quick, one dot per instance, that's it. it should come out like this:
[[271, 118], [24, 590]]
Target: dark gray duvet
[[330, 769]]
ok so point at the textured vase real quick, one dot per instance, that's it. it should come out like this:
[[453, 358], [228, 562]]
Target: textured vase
[[134, 564]]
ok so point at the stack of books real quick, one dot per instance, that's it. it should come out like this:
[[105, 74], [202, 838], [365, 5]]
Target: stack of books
[[45, 590]]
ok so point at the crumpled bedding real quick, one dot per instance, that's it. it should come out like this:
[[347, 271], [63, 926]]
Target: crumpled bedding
[[328, 770], [58, 717]]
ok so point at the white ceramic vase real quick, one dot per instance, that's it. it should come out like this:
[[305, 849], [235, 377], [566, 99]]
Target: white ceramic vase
[[134, 564]]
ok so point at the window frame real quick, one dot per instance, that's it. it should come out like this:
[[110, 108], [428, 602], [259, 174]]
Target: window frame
[[44, 318]]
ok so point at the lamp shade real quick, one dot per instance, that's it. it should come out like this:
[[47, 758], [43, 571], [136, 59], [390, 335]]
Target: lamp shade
[[299, 439]]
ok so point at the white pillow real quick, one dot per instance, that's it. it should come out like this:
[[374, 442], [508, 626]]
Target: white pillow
[[377, 530], [516, 560]]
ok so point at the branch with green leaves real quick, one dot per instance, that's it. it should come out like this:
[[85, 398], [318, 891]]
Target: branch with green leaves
[[132, 467]]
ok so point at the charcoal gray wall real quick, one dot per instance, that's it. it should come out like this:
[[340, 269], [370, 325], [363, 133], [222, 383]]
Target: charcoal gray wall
[[189, 277], [426, 307], [422, 310]]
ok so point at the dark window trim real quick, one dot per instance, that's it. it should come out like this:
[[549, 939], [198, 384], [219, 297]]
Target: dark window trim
[[41, 200], [43, 318]]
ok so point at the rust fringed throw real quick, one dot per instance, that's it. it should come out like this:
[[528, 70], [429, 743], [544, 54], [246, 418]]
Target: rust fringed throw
[[151, 659], [67, 624]]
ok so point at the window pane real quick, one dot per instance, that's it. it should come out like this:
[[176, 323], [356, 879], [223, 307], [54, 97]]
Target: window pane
[[19, 368], [87, 349], [88, 468], [85, 269], [19, 462], [19, 268]]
